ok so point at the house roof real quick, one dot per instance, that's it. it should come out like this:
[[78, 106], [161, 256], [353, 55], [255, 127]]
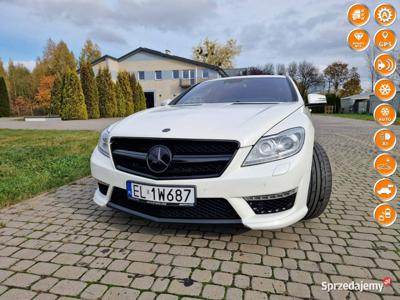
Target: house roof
[[362, 96], [155, 52]]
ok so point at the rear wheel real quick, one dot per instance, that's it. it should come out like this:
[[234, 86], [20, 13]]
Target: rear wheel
[[320, 187]]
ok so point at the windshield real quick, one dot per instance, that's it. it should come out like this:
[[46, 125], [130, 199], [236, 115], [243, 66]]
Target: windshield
[[241, 90]]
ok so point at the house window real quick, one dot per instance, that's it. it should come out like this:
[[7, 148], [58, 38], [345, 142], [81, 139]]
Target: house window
[[141, 75], [205, 73], [192, 76], [185, 74], [158, 75], [175, 74]]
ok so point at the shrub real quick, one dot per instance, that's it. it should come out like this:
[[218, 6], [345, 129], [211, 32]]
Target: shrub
[[43, 95], [89, 88], [106, 90], [73, 102], [4, 100]]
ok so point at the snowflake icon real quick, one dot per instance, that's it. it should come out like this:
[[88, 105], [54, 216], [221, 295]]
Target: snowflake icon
[[385, 111], [385, 89]]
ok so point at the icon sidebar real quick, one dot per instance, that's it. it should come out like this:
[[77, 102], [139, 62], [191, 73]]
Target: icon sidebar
[[385, 114]]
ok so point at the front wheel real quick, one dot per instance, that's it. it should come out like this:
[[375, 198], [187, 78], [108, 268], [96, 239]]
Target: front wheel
[[320, 187]]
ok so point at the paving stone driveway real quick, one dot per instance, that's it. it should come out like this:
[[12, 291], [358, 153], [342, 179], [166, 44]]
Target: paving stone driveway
[[61, 245]]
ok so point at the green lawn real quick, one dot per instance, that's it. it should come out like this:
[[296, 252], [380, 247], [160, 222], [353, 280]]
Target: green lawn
[[35, 161], [365, 117]]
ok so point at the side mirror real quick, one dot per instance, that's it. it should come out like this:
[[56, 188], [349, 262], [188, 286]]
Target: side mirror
[[166, 102], [314, 99]]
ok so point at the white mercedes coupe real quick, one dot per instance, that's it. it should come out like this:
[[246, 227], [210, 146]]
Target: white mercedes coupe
[[229, 150]]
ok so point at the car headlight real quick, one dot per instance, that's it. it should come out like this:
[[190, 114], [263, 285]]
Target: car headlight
[[104, 141], [275, 147]]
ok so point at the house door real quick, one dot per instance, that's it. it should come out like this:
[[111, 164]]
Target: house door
[[149, 99]]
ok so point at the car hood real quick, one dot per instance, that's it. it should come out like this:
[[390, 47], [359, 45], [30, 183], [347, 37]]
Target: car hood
[[245, 123]]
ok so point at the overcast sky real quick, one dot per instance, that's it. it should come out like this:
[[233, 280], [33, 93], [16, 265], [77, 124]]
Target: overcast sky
[[277, 31]]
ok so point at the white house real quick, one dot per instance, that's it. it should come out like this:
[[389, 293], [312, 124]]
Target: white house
[[162, 75]]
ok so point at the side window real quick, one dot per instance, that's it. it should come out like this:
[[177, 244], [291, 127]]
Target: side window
[[158, 75], [185, 74], [205, 73], [141, 75], [175, 74]]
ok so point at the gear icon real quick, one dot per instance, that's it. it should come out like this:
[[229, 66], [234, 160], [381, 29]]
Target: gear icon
[[385, 89], [385, 15]]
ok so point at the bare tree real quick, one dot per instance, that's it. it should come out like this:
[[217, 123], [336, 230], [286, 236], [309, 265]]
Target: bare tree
[[254, 71], [369, 58], [212, 52], [269, 69], [292, 70], [280, 69], [308, 76]]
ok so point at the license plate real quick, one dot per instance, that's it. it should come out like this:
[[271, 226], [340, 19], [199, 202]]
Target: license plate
[[161, 195]]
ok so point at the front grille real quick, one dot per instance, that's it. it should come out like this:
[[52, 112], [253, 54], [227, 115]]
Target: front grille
[[190, 158], [272, 206], [205, 208]]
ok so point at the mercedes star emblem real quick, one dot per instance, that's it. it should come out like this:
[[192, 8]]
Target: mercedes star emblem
[[159, 158]]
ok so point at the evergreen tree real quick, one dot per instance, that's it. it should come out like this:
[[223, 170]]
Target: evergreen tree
[[133, 82], [140, 98], [89, 88], [4, 100], [120, 99], [106, 90], [20, 80], [56, 95], [73, 102], [3, 73], [90, 52], [60, 59], [123, 81]]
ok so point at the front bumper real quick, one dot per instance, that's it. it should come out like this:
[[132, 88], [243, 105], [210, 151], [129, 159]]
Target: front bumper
[[234, 184]]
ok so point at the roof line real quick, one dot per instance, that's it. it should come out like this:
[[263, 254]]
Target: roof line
[[155, 52], [100, 59]]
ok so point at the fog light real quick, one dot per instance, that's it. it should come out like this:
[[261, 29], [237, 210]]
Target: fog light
[[273, 203], [271, 196]]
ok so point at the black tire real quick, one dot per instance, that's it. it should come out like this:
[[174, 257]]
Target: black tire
[[320, 187]]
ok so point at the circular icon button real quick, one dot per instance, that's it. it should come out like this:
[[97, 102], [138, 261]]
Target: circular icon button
[[385, 139], [358, 39], [385, 14], [385, 189], [358, 14], [385, 164], [385, 214], [385, 39], [385, 114], [384, 64], [385, 89]]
